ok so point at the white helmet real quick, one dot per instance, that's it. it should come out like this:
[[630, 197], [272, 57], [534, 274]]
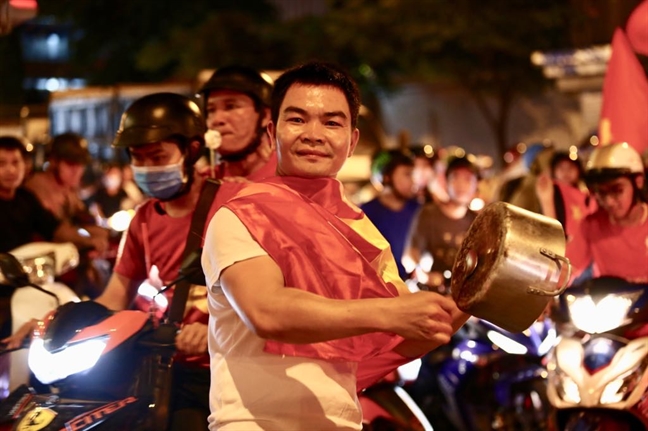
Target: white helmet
[[614, 160]]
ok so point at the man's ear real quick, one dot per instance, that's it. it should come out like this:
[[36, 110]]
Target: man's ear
[[272, 134], [194, 150], [639, 181], [265, 117], [355, 137]]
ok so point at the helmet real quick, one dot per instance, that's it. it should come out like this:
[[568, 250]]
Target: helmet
[[613, 160], [157, 117], [71, 148], [242, 79]]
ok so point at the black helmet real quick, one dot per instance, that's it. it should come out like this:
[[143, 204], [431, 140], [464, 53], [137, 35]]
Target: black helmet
[[242, 79], [160, 116], [70, 147]]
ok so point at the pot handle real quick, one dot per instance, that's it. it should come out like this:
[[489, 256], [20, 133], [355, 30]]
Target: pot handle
[[563, 263]]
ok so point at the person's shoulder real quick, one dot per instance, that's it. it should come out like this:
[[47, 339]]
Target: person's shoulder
[[25, 194], [370, 204], [37, 179], [597, 219]]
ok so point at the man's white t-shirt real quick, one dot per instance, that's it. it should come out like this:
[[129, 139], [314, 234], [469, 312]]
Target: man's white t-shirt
[[253, 390]]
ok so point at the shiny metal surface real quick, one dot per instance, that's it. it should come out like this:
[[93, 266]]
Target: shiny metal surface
[[509, 265]]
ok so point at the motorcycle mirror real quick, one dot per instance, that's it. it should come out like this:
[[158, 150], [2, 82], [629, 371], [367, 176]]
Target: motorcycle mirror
[[191, 270], [12, 272]]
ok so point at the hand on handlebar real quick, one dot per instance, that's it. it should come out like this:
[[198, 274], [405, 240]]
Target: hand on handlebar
[[16, 340], [192, 339]]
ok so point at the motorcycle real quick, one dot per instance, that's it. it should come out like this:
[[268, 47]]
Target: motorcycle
[[42, 261], [487, 379], [387, 406], [598, 372], [106, 370]]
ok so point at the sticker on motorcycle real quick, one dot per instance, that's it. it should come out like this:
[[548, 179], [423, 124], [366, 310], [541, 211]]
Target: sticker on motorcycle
[[92, 418], [36, 419]]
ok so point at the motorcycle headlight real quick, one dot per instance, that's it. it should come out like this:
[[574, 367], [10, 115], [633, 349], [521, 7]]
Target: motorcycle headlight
[[73, 358], [567, 388], [606, 314], [620, 389]]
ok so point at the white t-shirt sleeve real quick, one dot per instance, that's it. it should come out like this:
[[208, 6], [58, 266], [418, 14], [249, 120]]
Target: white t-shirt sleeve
[[227, 241]]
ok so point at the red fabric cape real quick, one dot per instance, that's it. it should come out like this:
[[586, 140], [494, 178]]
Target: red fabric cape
[[298, 222]]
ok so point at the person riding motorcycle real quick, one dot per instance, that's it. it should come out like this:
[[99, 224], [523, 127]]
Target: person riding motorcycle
[[237, 106], [616, 234], [164, 136]]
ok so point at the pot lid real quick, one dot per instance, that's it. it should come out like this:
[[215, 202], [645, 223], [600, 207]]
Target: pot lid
[[481, 251]]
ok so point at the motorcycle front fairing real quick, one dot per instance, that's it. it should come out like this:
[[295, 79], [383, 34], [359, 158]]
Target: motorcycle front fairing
[[602, 364], [87, 351]]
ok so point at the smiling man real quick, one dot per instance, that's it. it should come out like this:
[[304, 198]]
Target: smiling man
[[306, 305]]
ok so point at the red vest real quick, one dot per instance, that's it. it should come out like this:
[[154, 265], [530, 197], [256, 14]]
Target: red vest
[[298, 222]]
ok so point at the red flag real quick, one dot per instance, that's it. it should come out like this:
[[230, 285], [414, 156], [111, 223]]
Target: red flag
[[624, 115]]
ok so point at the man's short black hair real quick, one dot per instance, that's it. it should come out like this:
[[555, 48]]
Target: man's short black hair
[[317, 73], [385, 162], [11, 143], [461, 163]]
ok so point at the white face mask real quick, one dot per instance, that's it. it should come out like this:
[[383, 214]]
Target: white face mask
[[161, 182]]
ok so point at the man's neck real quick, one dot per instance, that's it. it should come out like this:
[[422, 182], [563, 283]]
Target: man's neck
[[636, 216], [253, 162], [453, 210], [53, 178], [389, 199], [186, 203], [7, 194]]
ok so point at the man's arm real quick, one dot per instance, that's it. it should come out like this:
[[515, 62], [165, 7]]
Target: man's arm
[[65, 232], [116, 295], [293, 315]]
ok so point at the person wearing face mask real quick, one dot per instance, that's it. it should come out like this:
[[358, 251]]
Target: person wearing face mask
[[164, 134], [111, 196]]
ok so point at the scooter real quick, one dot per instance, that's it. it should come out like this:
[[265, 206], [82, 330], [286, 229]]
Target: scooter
[[598, 372], [488, 379], [106, 370], [42, 261]]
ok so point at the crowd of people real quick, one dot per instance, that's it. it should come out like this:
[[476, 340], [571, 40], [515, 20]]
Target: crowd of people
[[318, 296]]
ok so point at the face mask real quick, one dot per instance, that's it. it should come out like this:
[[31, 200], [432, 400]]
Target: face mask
[[111, 182], [161, 182]]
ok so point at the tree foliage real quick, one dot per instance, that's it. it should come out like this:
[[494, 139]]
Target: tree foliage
[[482, 46]]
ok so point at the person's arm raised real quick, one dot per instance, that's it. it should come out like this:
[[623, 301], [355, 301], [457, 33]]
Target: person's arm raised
[[255, 288]]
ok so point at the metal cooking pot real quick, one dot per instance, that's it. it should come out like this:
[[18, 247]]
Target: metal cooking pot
[[509, 266]]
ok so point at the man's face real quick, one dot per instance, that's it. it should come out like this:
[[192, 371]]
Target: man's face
[[313, 134], [158, 154], [12, 169], [233, 114], [402, 181], [615, 196], [462, 185], [69, 174], [566, 172]]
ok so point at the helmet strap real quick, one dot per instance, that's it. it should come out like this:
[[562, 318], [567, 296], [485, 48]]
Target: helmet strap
[[250, 148]]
